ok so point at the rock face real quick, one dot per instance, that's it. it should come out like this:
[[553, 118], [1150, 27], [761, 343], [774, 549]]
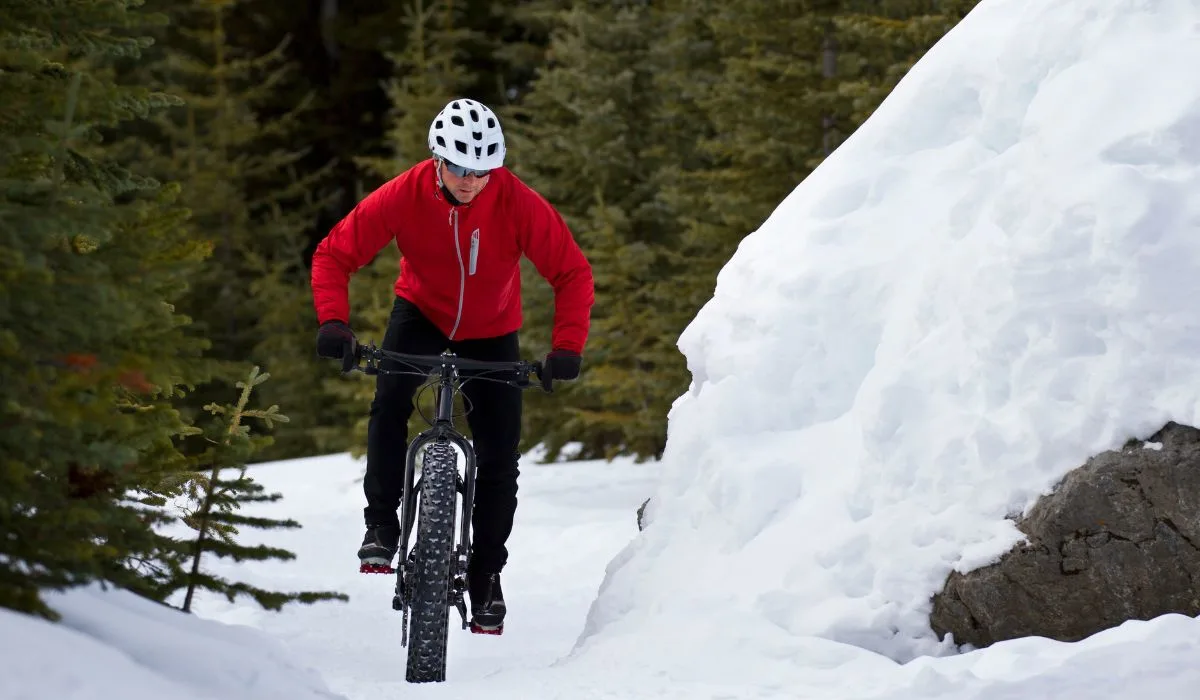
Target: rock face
[[641, 512], [1119, 539]]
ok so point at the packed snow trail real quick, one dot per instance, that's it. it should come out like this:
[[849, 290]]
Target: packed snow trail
[[571, 520]]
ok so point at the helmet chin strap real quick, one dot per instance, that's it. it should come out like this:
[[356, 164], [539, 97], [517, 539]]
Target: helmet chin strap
[[442, 185]]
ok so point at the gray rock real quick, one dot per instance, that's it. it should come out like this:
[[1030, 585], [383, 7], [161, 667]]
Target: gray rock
[[641, 511], [1119, 539]]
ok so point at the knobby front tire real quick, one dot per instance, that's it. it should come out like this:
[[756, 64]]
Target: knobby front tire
[[430, 589]]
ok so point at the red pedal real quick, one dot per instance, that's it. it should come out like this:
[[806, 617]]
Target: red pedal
[[476, 629], [375, 569]]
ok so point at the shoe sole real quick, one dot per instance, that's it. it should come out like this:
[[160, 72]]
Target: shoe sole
[[375, 560], [480, 629], [488, 620], [376, 554]]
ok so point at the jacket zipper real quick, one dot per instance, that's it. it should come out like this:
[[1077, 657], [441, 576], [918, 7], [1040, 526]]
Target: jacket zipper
[[474, 250], [462, 274]]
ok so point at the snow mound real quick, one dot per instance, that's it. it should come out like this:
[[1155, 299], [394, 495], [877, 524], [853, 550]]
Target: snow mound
[[113, 644]]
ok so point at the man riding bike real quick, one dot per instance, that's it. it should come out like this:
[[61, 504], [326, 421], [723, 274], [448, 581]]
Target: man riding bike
[[461, 222]]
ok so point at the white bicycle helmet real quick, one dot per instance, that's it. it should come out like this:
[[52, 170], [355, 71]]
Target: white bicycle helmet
[[468, 134]]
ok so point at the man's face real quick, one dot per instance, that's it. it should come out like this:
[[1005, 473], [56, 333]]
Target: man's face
[[463, 188]]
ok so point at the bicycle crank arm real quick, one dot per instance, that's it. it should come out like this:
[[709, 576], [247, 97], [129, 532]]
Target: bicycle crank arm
[[462, 609]]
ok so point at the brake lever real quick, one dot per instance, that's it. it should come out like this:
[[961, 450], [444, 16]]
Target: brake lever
[[544, 375], [351, 359]]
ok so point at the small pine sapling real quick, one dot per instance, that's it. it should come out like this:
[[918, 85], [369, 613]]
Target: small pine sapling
[[216, 501]]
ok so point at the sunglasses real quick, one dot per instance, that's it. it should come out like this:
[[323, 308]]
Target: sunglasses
[[460, 171]]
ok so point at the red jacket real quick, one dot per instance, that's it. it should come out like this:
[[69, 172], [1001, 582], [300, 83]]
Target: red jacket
[[460, 264]]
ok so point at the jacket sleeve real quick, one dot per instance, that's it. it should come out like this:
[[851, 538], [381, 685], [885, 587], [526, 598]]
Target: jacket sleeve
[[547, 242], [352, 243]]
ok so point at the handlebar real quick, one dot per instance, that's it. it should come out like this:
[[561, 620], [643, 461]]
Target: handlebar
[[368, 359]]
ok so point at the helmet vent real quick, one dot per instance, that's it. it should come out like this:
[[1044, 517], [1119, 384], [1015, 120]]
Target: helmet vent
[[474, 116], [441, 141], [478, 135], [491, 123], [457, 121], [460, 146], [491, 149], [478, 151]]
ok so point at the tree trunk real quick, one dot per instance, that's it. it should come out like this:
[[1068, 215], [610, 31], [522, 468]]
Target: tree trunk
[[829, 72]]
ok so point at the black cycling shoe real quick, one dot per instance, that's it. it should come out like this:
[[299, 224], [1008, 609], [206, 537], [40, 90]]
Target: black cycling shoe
[[378, 547], [487, 603]]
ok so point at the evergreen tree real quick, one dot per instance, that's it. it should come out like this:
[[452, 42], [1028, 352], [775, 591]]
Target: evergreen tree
[[92, 350], [796, 79], [216, 500], [773, 113], [895, 34], [338, 50], [281, 292], [428, 72], [249, 202], [592, 137]]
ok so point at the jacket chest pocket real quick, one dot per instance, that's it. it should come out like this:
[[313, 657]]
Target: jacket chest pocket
[[490, 256]]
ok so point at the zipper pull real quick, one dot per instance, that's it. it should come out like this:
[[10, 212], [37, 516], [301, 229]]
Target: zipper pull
[[474, 250]]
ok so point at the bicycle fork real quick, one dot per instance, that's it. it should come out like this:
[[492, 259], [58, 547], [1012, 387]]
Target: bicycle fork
[[466, 490], [412, 489]]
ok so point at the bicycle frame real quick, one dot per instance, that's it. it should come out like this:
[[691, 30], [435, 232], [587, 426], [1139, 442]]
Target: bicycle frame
[[446, 367]]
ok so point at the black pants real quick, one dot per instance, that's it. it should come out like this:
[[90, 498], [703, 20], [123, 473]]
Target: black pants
[[494, 419]]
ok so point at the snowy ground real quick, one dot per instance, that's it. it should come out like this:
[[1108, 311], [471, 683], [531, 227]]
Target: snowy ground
[[112, 644], [573, 519]]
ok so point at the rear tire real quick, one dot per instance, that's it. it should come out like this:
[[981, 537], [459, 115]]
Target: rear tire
[[429, 600]]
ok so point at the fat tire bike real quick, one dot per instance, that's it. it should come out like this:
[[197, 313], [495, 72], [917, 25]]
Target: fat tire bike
[[431, 575]]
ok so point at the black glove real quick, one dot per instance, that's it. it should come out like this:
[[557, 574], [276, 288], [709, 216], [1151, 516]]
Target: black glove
[[335, 341], [560, 364]]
